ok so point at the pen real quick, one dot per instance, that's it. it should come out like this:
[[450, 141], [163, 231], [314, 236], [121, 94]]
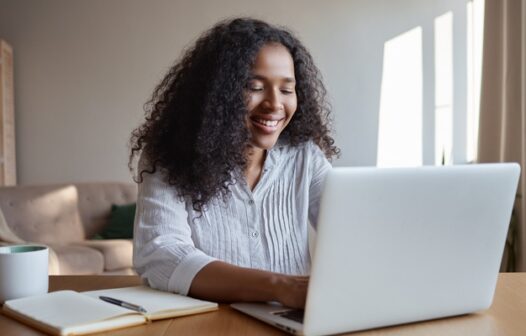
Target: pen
[[123, 304]]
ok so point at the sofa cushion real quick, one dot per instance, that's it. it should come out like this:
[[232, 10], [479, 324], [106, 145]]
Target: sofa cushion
[[95, 200], [117, 252], [43, 214], [121, 271], [78, 260]]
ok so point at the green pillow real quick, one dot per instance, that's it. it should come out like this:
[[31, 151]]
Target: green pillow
[[121, 223]]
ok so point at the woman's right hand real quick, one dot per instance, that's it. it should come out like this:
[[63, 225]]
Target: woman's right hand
[[223, 282], [291, 290]]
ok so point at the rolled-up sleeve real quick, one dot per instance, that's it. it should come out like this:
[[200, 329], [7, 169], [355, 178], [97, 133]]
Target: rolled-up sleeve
[[163, 250]]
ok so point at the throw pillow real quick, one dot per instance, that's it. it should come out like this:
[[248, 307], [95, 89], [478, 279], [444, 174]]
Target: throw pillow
[[121, 223]]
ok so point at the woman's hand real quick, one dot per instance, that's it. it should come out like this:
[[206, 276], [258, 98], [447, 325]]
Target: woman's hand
[[291, 291], [222, 282]]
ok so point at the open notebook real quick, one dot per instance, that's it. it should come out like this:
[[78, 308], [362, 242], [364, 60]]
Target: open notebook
[[72, 313]]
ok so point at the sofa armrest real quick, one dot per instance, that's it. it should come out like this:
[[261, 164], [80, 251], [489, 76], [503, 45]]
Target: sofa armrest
[[54, 265]]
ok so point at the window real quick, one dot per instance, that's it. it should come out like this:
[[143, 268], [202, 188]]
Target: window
[[405, 138]]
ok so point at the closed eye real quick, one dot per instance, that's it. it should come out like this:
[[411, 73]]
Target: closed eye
[[255, 88]]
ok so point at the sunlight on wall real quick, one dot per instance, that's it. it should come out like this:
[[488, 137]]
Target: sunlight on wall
[[475, 10], [400, 125], [444, 88]]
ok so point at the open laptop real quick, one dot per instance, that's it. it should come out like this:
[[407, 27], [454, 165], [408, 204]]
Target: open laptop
[[400, 245]]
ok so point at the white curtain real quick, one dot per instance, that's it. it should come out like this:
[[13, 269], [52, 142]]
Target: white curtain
[[502, 132]]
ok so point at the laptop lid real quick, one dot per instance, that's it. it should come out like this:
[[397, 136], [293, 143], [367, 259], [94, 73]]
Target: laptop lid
[[407, 244]]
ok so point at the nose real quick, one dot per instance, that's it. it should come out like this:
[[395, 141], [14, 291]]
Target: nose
[[272, 101]]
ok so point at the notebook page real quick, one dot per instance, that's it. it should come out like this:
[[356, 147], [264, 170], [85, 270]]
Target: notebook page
[[64, 309], [152, 300]]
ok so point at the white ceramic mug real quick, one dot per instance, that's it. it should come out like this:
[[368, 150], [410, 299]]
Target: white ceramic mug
[[23, 271]]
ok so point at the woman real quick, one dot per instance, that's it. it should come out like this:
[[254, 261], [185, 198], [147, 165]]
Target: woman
[[232, 157]]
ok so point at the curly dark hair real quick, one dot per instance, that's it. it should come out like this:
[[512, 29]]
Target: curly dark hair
[[195, 128]]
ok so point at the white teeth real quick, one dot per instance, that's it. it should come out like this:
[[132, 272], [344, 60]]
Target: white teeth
[[269, 123]]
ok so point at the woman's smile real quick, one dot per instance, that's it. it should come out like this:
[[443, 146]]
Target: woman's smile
[[266, 125]]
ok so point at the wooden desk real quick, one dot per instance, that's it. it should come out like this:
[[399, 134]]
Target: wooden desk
[[507, 315]]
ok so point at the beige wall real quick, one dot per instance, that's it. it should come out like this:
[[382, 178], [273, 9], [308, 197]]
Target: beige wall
[[84, 69]]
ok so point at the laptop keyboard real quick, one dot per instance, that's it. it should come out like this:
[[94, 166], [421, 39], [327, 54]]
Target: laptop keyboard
[[293, 314]]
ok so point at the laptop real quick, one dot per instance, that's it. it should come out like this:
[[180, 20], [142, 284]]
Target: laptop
[[400, 245]]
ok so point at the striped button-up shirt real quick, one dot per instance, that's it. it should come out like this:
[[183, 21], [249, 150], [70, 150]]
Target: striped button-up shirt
[[264, 228]]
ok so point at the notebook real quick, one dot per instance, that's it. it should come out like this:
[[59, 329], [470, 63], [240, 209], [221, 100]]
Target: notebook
[[68, 312]]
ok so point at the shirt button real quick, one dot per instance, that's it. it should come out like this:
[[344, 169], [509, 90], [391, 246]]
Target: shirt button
[[250, 202], [255, 234]]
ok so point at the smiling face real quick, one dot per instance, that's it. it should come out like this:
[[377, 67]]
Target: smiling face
[[271, 95]]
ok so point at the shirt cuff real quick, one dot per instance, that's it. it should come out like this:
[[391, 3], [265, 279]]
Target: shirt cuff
[[184, 273]]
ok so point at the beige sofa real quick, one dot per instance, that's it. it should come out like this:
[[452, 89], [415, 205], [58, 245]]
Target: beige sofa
[[65, 217]]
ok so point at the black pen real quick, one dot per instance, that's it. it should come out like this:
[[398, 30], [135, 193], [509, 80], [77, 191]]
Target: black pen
[[123, 304]]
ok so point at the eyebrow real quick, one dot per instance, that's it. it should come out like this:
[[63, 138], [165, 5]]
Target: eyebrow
[[286, 79]]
